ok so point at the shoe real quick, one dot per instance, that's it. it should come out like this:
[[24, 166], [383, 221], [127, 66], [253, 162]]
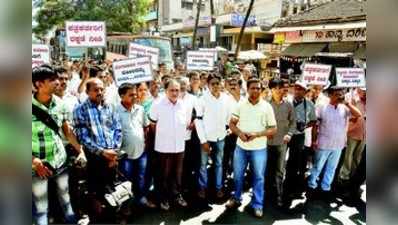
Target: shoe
[[202, 194], [220, 194], [310, 194], [233, 204], [258, 213], [180, 201], [165, 206], [147, 204]]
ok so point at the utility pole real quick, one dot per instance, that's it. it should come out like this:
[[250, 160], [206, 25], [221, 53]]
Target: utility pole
[[242, 29], [213, 23], [196, 25]]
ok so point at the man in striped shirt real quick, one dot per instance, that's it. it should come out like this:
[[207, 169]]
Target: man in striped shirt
[[99, 130]]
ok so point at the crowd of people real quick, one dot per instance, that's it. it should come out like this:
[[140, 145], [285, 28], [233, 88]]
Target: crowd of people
[[190, 133]]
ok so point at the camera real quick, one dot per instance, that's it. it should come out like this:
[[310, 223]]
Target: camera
[[122, 192], [301, 126]]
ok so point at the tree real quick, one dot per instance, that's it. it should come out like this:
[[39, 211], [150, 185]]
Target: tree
[[119, 15]]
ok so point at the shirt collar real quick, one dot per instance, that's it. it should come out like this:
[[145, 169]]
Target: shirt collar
[[37, 103]]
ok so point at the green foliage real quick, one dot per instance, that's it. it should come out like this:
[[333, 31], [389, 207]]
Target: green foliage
[[119, 15]]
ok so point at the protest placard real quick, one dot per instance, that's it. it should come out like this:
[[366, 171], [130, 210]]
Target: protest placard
[[198, 60], [40, 55], [136, 50], [316, 74], [211, 50], [350, 77], [85, 33], [135, 70]]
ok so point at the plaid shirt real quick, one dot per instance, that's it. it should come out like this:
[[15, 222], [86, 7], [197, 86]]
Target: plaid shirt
[[97, 127], [46, 144]]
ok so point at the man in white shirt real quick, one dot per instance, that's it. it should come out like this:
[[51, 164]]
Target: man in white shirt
[[70, 101], [134, 122], [253, 121], [330, 139], [212, 115], [170, 118]]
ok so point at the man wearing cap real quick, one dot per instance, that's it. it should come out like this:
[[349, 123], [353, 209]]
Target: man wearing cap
[[356, 137], [329, 140], [297, 162]]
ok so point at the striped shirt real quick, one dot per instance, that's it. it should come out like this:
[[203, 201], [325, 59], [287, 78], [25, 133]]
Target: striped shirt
[[46, 144], [97, 127]]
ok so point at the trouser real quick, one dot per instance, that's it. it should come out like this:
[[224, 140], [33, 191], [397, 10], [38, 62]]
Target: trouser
[[40, 198], [329, 159], [217, 153], [296, 165], [134, 170], [230, 145], [352, 158], [170, 172], [276, 164], [359, 175], [99, 175], [191, 162], [257, 159]]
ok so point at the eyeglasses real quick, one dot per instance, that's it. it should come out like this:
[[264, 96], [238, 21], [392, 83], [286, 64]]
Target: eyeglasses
[[255, 88]]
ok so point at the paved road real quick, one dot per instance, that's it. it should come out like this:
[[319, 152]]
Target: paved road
[[314, 212]]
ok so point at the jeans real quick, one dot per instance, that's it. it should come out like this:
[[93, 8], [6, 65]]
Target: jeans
[[328, 159], [134, 170], [258, 162], [217, 153], [40, 198]]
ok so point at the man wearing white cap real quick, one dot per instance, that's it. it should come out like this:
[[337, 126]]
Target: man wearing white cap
[[297, 163]]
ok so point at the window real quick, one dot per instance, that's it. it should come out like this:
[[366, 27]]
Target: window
[[187, 5]]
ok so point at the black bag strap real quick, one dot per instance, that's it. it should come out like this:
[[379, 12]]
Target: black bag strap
[[44, 117]]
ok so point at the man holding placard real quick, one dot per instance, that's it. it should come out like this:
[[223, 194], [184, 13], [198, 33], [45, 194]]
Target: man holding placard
[[329, 140]]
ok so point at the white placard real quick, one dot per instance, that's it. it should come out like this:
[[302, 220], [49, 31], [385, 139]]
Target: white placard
[[85, 33], [350, 77], [133, 71], [316, 74], [200, 60], [40, 55], [211, 50], [136, 50]]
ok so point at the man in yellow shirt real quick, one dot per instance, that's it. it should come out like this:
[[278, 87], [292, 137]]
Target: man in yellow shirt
[[253, 121]]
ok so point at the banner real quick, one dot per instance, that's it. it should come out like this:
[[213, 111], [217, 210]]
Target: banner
[[85, 34], [350, 77], [316, 74], [200, 60], [132, 71], [40, 55], [210, 50], [136, 50]]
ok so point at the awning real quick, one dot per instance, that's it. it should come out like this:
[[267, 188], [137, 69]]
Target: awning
[[343, 47], [360, 53], [303, 49]]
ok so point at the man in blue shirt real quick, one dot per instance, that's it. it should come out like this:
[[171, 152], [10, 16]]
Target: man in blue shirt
[[98, 129]]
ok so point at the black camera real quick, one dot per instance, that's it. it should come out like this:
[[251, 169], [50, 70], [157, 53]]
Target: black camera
[[301, 126]]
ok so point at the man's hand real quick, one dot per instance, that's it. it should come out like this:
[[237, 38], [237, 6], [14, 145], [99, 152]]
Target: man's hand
[[314, 145], [206, 147], [286, 139], [81, 158], [191, 126], [252, 136], [111, 156], [244, 137], [41, 170]]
